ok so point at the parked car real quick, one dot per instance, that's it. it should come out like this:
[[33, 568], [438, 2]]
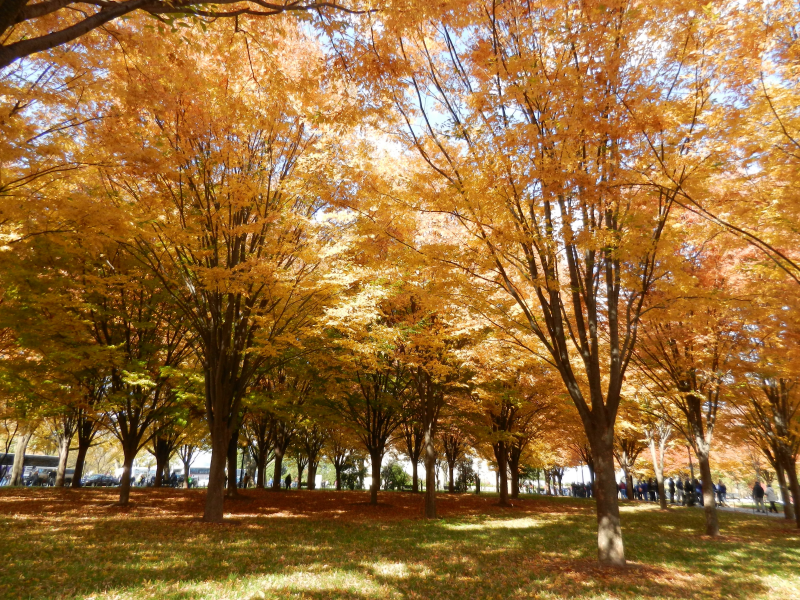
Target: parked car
[[99, 481]]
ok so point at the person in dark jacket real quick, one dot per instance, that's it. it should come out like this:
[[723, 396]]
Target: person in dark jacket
[[671, 491], [288, 481], [758, 496], [681, 495]]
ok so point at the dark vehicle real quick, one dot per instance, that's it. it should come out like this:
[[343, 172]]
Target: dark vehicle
[[99, 481]]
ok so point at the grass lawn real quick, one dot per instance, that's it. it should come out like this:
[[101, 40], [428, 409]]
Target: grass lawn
[[318, 545]]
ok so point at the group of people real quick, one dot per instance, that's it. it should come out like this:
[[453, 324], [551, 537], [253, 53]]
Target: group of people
[[758, 497], [681, 491], [581, 490]]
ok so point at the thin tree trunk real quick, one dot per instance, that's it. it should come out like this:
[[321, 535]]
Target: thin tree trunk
[[80, 461], [501, 454], [63, 455], [233, 467], [610, 547], [629, 485], [129, 455], [312, 475], [513, 465], [780, 471], [709, 502], [791, 472], [451, 481], [375, 460], [430, 469], [159, 448], [18, 468], [261, 468], [215, 493], [276, 475], [338, 469], [186, 467], [429, 451], [414, 477]]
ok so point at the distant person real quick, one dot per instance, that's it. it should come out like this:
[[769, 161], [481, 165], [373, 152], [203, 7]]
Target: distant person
[[772, 498], [288, 481], [679, 488], [758, 497], [722, 491], [653, 487], [246, 481], [688, 491], [698, 492], [622, 492], [671, 490]]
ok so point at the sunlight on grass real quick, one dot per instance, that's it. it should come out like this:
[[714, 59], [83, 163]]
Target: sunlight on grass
[[523, 523]]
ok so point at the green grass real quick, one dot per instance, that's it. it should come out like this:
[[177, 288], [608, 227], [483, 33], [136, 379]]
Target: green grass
[[76, 545]]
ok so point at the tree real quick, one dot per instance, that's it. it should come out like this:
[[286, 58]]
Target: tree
[[627, 448], [770, 407], [454, 443], [371, 402], [339, 451], [226, 221], [130, 313], [257, 429], [313, 438], [687, 353], [413, 435], [553, 210], [27, 28]]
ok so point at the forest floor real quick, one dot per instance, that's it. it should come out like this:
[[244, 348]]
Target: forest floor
[[69, 544]]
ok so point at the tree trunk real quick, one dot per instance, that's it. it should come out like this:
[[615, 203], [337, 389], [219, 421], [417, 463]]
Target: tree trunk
[[709, 502], [414, 477], [18, 468], [63, 455], [300, 469], [261, 468], [780, 471], [501, 454], [80, 461], [276, 475], [451, 481], [338, 469], [233, 467], [375, 459], [159, 463], [629, 485], [790, 466], [513, 465], [610, 548], [129, 455], [429, 450], [186, 467], [215, 493], [312, 475]]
